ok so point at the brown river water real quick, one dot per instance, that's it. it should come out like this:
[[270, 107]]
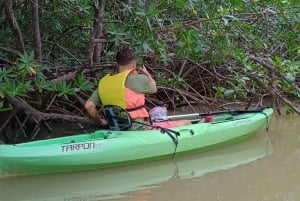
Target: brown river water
[[265, 167]]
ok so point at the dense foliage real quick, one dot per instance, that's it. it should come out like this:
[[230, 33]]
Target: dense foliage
[[203, 53]]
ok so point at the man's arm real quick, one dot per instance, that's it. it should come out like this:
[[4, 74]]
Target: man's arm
[[148, 75], [91, 109], [93, 112]]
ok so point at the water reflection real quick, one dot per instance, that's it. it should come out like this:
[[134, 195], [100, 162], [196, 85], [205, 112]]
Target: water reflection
[[272, 178], [117, 183]]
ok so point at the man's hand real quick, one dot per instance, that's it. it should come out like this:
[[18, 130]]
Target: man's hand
[[92, 111], [103, 122], [144, 71]]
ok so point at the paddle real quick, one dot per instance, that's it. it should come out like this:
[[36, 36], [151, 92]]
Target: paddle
[[231, 112]]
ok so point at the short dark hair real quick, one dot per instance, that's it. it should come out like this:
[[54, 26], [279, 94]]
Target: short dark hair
[[125, 56]]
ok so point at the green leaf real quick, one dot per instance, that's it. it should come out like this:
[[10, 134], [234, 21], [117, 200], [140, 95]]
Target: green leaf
[[228, 92], [226, 21], [7, 74], [65, 89], [219, 91], [290, 77], [3, 108], [83, 84], [147, 47], [42, 84], [289, 111], [237, 2], [19, 88], [149, 24]]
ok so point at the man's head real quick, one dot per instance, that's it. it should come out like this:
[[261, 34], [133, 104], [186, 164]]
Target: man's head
[[126, 58]]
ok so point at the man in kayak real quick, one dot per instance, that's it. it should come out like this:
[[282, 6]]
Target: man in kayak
[[126, 89]]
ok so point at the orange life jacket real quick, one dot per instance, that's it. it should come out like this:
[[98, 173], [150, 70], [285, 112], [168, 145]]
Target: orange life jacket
[[112, 91]]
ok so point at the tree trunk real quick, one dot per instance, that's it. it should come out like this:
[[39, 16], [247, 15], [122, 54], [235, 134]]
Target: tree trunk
[[2, 13], [98, 27], [14, 25], [94, 49], [36, 30]]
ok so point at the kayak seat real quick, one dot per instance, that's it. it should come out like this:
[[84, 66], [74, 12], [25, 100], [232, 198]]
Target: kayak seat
[[195, 121], [171, 124], [229, 119], [118, 118]]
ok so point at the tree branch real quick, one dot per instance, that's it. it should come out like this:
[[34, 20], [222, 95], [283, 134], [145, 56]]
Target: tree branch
[[8, 49], [14, 25], [6, 61], [92, 69], [291, 104]]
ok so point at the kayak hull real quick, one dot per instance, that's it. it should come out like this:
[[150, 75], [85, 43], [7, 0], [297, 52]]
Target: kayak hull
[[116, 182], [106, 149]]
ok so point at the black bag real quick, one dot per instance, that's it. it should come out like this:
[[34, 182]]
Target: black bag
[[118, 118]]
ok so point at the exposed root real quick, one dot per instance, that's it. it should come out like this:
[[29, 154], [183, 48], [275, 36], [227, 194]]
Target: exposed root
[[26, 123]]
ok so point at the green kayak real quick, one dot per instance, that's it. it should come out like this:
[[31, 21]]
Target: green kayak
[[110, 184], [105, 148]]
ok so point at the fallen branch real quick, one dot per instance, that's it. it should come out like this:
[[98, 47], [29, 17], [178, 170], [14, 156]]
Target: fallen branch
[[273, 69], [275, 92], [41, 116]]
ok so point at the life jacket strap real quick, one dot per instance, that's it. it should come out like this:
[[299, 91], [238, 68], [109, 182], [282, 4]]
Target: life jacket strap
[[136, 108]]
